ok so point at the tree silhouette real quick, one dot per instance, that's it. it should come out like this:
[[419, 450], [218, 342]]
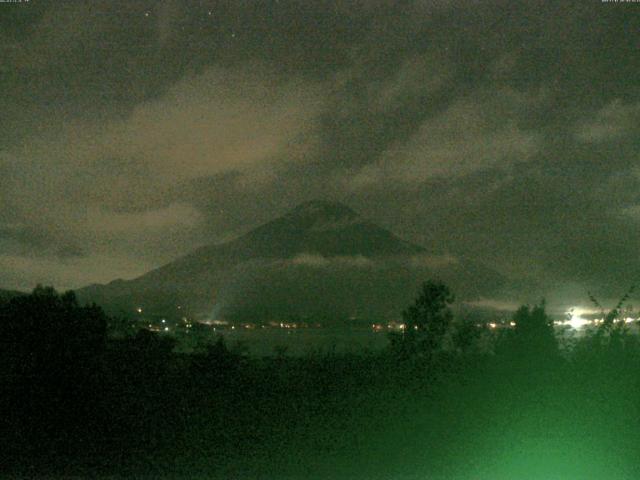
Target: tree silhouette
[[533, 333], [467, 334], [48, 334], [50, 363], [612, 334], [426, 321], [217, 363]]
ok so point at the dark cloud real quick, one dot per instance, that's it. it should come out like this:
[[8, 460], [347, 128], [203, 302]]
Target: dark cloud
[[496, 132]]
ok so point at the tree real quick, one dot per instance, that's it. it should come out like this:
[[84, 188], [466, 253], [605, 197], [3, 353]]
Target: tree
[[51, 355], [427, 321], [467, 334], [49, 335], [533, 333], [612, 334], [217, 363]]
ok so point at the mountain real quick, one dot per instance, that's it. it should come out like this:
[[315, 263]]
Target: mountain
[[319, 259], [9, 294]]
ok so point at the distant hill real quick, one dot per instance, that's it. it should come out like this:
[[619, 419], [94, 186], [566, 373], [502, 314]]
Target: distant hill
[[321, 258], [8, 294]]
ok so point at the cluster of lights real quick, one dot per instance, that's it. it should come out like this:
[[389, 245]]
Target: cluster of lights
[[576, 322], [379, 327], [154, 328], [288, 325]]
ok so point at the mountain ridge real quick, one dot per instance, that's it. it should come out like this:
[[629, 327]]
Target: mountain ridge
[[321, 228], [9, 294], [319, 257]]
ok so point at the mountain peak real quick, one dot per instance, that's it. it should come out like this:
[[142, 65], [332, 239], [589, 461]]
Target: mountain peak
[[322, 209], [224, 273]]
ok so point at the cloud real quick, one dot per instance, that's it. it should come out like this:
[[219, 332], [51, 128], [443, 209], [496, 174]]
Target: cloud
[[433, 261], [61, 34], [418, 262], [319, 261], [310, 260], [612, 122], [111, 185], [471, 135], [631, 212], [219, 121], [24, 272], [417, 76], [160, 221], [492, 304]]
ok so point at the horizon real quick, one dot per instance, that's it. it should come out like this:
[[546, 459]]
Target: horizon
[[491, 307]]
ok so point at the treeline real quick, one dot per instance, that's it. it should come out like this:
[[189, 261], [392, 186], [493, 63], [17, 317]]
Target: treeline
[[448, 398]]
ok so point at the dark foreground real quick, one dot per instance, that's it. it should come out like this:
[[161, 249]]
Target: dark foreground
[[133, 408]]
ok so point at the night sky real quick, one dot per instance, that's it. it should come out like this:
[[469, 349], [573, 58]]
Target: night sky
[[505, 133]]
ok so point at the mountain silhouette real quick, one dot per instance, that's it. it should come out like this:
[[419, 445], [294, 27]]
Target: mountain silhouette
[[9, 294], [320, 258]]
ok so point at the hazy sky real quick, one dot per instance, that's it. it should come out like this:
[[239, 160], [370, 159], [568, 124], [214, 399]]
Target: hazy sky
[[502, 132]]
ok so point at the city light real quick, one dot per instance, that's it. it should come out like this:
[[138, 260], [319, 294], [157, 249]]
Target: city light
[[576, 322]]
